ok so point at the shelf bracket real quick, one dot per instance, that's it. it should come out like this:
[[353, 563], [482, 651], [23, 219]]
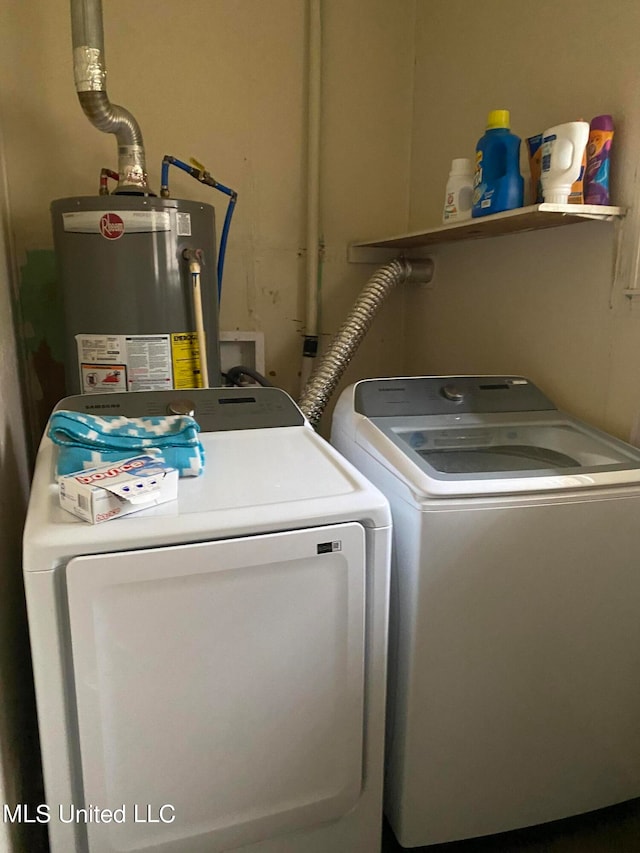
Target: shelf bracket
[[357, 253]]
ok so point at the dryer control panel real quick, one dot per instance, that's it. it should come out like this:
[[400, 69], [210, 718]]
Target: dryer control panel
[[215, 409]]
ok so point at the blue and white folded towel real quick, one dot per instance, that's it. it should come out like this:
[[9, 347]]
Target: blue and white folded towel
[[88, 440]]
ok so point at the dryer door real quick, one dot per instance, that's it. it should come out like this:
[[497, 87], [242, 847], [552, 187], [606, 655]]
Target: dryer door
[[219, 688]]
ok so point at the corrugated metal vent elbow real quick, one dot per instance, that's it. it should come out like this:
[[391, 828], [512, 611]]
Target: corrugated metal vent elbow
[[90, 75]]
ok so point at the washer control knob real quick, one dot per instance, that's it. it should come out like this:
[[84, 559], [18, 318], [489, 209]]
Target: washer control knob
[[181, 407], [453, 393]]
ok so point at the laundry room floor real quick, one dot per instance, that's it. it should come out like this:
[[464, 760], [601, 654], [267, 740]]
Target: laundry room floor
[[612, 830]]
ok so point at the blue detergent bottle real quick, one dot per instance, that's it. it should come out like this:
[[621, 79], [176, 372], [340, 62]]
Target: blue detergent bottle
[[497, 184]]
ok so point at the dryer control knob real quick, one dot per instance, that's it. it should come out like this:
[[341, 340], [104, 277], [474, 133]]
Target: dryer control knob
[[181, 407], [453, 393]]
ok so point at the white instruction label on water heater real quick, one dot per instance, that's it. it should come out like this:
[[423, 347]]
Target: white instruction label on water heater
[[183, 224], [124, 363]]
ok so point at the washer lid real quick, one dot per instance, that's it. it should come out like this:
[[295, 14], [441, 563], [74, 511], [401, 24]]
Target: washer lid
[[502, 453], [480, 435]]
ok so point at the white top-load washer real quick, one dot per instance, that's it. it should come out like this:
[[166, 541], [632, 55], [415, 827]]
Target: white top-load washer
[[514, 684], [210, 674]]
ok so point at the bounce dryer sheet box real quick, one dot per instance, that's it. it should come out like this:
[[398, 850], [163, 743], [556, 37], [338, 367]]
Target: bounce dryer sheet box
[[118, 488]]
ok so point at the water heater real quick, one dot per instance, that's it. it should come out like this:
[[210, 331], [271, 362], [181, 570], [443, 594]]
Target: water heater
[[127, 291]]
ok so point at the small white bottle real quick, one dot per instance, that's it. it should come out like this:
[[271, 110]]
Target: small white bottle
[[458, 199], [562, 150]]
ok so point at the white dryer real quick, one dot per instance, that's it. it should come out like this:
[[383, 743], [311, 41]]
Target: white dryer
[[514, 683], [210, 674]]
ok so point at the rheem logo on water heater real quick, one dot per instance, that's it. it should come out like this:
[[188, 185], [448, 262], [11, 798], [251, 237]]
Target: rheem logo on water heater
[[111, 226]]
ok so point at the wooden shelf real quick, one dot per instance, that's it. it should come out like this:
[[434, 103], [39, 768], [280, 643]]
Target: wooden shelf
[[532, 218]]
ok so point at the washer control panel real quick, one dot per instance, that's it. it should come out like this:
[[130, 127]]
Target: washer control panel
[[443, 395]]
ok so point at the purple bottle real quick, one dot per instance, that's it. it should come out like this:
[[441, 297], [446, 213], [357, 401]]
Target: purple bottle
[[596, 178]]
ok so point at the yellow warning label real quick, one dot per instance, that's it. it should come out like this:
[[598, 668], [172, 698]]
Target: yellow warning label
[[185, 355]]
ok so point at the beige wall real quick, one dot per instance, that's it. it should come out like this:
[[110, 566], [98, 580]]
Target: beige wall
[[224, 81], [541, 304]]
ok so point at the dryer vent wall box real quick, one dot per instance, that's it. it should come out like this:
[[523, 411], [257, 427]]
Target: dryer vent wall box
[[221, 656], [514, 696], [242, 348]]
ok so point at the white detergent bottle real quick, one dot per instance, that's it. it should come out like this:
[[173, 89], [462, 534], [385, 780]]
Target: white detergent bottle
[[459, 193], [562, 150]]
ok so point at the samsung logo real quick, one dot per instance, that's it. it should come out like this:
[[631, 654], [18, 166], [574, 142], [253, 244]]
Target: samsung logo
[[103, 406]]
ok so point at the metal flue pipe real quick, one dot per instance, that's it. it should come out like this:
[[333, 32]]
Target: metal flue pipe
[[90, 75]]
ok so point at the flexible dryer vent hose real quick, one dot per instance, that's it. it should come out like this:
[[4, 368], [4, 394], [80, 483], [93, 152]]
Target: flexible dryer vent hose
[[324, 379]]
